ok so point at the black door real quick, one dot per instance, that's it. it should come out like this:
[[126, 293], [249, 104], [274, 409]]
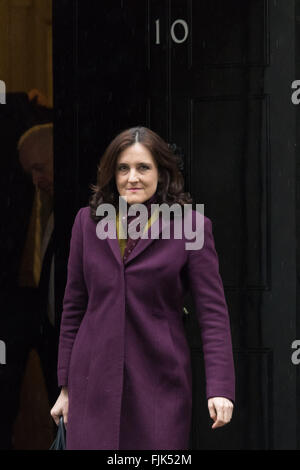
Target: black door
[[215, 78]]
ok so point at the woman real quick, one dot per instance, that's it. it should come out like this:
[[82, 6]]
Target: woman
[[124, 362]]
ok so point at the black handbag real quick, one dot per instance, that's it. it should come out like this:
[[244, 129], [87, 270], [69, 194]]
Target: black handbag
[[60, 441]]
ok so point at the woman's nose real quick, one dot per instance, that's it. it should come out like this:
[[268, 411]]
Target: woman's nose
[[132, 176]]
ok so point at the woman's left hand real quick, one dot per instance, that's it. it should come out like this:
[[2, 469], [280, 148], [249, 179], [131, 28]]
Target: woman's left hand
[[220, 410]]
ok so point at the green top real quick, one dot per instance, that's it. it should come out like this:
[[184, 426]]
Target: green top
[[123, 241]]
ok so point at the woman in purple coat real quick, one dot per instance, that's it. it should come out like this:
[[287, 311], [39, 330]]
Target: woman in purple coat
[[124, 361]]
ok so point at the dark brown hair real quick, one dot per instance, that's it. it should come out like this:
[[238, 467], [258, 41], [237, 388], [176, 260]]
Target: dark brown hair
[[170, 185]]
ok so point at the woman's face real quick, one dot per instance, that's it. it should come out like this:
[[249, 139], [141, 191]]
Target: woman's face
[[136, 174]]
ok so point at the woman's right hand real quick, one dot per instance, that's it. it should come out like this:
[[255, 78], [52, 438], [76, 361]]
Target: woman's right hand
[[61, 407]]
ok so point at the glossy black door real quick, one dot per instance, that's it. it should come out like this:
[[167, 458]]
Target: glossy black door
[[213, 77]]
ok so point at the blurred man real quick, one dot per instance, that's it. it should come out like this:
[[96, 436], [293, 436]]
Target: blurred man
[[37, 265], [28, 320]]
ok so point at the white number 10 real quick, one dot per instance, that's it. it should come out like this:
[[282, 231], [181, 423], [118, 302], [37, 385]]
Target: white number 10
[[172, 31]]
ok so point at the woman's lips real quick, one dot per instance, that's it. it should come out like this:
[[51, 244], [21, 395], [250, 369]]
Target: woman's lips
[[134, 189]]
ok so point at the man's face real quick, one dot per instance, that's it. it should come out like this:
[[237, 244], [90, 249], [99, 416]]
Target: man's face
[[38, 163]]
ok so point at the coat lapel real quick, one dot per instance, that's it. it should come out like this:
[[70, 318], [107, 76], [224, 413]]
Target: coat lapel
[[157, 226], [115, 248]]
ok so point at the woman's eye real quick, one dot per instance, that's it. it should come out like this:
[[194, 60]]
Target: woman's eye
[[141, 167]]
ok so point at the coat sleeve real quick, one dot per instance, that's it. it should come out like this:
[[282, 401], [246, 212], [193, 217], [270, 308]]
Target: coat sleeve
[[213, 318], [74, 302]]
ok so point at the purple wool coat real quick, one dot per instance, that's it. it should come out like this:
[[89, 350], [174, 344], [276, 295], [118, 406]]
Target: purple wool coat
[[123, 352]]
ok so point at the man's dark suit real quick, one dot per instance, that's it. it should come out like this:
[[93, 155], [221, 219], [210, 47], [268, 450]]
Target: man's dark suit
[[23, 320]]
